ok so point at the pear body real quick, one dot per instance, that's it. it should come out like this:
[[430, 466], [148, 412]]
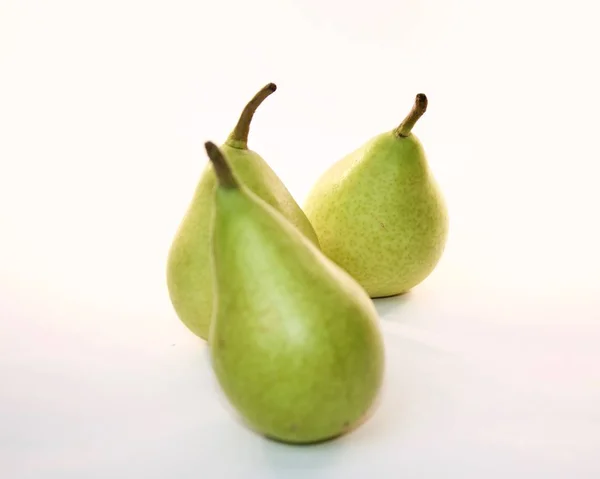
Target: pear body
[[380, 215], [189, 276], [295, 343]]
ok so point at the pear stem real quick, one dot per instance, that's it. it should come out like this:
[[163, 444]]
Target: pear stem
[[239, 136], [417, 111], [222, 168]]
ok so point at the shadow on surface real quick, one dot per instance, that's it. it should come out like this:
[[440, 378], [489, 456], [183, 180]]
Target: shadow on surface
[[394, 418], [392, 304], [316, 457]]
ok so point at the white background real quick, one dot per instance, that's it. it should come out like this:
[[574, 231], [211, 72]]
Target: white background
[[493, 361]]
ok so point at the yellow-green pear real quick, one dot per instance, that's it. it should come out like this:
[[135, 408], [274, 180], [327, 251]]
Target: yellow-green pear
[[295, 342], [379, 212], [189, 277]]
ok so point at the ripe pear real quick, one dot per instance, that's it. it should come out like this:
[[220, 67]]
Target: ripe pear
[[189, 279], [379, 212], [295, 342]]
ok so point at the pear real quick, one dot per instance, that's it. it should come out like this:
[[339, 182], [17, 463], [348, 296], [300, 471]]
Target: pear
[[295, 342], [379, 212], [189, 279]]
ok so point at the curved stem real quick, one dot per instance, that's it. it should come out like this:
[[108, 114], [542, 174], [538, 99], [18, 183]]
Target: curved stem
[[239, 136], [222, 168], [417, 111]]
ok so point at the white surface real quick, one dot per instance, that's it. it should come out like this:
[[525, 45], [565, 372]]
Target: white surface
[[493, 362]]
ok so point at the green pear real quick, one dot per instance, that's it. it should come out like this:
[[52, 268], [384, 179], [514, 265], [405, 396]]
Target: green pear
[[379, 212], [295, 341], [189, 277]]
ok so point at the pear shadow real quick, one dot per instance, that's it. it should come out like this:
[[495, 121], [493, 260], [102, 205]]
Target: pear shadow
[[314, 458], [206, 356], [319, 457], [390, 421], [396, 295], [388, 306]]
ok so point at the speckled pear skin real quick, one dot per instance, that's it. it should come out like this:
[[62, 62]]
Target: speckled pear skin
[[380, 215], [189, 279], [295, 343]]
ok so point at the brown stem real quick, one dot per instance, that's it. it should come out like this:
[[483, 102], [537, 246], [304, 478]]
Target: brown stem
[[417, 111], [222, 168], [239, 136]]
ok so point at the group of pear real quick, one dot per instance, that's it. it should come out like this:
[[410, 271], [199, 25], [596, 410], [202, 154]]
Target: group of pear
[[283, 294]]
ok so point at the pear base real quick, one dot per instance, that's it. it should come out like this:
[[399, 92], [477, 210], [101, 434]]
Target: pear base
[[314, 442], [344, 432], [393, 295]]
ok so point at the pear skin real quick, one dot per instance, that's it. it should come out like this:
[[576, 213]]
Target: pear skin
[[295, 342], [379, 212], [189, 278]]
